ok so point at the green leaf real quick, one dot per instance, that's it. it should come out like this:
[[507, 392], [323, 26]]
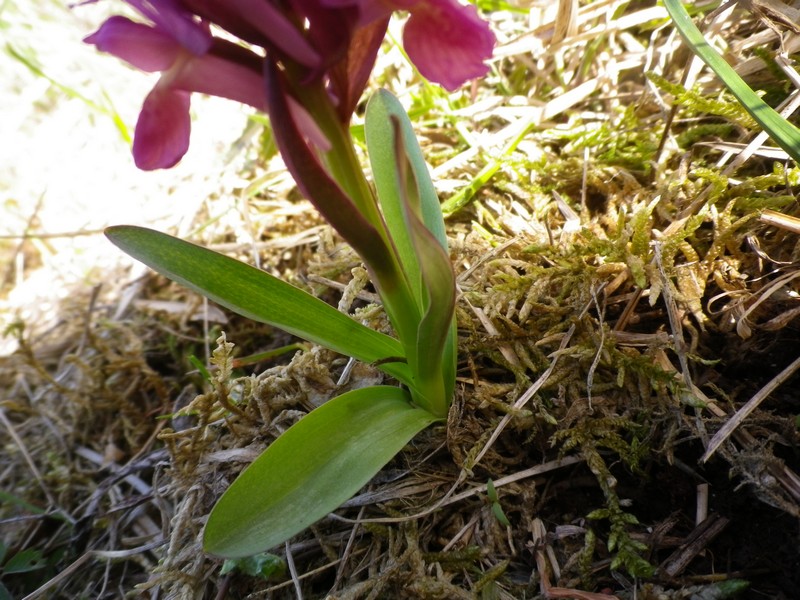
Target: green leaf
[[498, 513], [264, 565], [430, 358], [491, 492], [383, 111], [258, 295], [310, 470], [784, 133], [24, 561], [200, 366], [414, 219]]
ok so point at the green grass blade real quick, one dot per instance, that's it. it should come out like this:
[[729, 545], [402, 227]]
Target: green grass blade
[[786, 135], [310, 470], [466, 194], [258, 295]]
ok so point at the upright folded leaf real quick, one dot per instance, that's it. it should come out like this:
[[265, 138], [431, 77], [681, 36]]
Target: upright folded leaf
[[380, 135], [431, 361], [414, 219]]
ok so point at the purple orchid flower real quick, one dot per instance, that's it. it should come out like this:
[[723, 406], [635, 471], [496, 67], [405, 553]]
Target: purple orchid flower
[[335, 41], [447, 41], [261, 23], [190, 60]]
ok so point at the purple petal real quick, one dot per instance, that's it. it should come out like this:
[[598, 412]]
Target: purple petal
[[372, 10], [172, 18], [349, 76], [144, 47], [162, 132], [216, 76], [258, 22], [329, 28], [448, 42]]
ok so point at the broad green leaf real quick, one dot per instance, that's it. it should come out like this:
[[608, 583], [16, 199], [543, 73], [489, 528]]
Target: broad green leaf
[[258, 295], [310, 470], [784, 133]]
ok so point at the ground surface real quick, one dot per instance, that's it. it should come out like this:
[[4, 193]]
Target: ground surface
[[622, 298]]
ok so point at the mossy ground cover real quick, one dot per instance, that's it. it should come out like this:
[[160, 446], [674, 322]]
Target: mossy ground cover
[[626, 288]]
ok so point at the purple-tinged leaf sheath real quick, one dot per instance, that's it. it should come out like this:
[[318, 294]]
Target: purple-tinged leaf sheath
[[326, 195]]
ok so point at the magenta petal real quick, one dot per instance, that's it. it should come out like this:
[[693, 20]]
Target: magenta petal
[[162, 132], [255, 21], [142, 46], [278, 28], [448, 42], [216, 76], [170, 17]]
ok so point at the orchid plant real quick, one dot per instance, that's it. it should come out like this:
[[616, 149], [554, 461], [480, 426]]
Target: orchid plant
[[306, 63]]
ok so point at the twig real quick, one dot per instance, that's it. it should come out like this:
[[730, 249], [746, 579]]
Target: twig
[[678, 343], [505, 347], [293, 571], [700, 537], [450, 498], [28, 458], [788, 222], [346, 553], [48, 236], [66, 573], [78, 563], [748, 408], [525, 474]]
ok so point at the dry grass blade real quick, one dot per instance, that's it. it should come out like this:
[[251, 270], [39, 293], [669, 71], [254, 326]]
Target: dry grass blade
[[28, 459], [740, 415], [787, 222]]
